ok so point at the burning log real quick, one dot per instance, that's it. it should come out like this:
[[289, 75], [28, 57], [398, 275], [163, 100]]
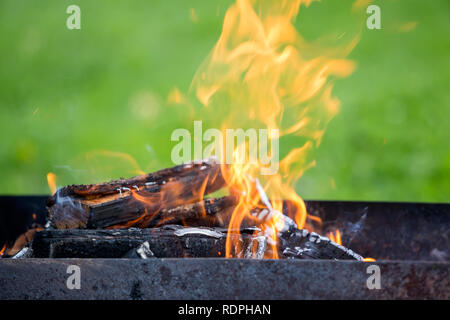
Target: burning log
[[208, 167], [137, 199], [209, 212], [167, 197], [174, 241], [134, 213]]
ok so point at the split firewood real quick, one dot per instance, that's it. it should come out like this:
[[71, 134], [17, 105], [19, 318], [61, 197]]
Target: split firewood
[[169, 196], [121, 201], [208, 167], [174, 241]]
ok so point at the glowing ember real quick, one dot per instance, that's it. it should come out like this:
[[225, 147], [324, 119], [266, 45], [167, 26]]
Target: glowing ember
[[336, 238]]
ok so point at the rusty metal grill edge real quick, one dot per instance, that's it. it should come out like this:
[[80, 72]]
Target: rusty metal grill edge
[[404, 237]]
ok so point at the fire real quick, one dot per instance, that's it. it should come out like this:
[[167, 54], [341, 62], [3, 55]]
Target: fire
[[51, 180], [2, 250], [263, 73], [336, 238], [175, 96], [171, 193]]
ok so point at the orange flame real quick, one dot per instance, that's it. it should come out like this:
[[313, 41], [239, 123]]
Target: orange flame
[[171, 194], [262, 73], [51, 180], [2, 251], [369, 259]]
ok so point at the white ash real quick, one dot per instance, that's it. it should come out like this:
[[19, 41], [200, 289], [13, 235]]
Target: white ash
[[206, 232], [144, 251]]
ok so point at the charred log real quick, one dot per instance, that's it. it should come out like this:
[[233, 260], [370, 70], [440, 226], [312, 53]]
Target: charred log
[[177, 241], [141, 252], [124, 200], [301, 244], [131, 213], [165, 242]]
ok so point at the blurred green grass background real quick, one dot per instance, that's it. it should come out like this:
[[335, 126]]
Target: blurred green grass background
[[65, 93]]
